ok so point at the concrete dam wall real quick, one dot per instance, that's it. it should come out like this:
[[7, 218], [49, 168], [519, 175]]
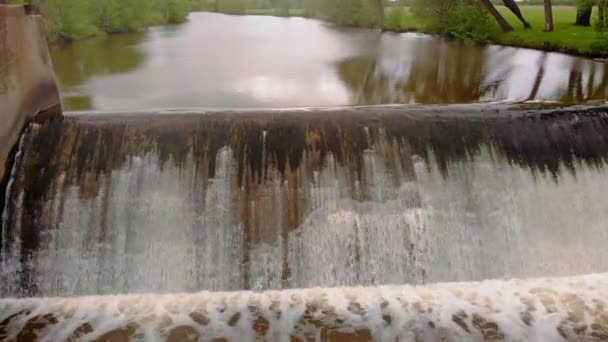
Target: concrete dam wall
[[173, 202], [27, 79]]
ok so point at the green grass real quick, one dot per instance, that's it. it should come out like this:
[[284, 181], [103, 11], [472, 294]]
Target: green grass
[[566, 36]]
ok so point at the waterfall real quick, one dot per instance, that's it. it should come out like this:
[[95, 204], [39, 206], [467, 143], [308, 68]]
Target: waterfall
[[168, 203]]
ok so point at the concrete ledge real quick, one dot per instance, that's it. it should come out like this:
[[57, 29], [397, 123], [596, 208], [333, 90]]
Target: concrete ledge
[[27, 79]]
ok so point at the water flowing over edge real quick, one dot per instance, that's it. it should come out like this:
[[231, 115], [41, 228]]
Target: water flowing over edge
[[573, 309], [270, 200]]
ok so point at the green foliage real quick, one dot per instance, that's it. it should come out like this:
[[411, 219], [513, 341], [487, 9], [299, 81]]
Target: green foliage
[[76, 19], [231, 6], [395, 18], [359, 13], [282, 8], [471, 21], [173, 11], [465, 19], [201, 5], [68, 19], [311, 7], [585, 4]]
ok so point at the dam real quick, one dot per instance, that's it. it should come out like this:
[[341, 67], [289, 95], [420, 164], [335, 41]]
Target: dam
[[367, 223]]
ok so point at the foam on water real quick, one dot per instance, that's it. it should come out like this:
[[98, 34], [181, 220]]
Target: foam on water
[[570, 309]]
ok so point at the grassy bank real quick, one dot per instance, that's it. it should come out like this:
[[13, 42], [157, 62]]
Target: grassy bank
[[566, 36]]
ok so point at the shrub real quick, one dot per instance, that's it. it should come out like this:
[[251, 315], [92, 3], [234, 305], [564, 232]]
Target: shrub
[[465, 19], [395, 17]]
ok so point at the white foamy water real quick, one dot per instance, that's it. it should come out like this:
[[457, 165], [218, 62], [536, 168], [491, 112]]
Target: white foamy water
[[566, 309], [153, 229]]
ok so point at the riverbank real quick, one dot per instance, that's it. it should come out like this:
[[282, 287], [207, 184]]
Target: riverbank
[[566, 38]]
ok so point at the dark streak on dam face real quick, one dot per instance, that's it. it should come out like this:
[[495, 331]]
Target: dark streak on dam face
[[122, 203]]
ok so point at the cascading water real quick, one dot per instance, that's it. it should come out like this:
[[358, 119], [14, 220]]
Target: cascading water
[[178, 202], [185, 202]]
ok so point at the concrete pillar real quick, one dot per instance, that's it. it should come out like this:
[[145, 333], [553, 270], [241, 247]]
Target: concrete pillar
[[27, 79]]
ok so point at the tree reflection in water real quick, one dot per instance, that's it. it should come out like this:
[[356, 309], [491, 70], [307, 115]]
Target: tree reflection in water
[[78, 62], [431, 70]]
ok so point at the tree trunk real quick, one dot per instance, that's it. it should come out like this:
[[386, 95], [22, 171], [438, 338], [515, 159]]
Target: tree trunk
[[583, 16], [380, 13], [548, 16], [216, 6], [504, 25], [514, 7]]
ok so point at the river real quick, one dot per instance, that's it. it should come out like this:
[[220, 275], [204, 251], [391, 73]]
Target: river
[[222, 61]]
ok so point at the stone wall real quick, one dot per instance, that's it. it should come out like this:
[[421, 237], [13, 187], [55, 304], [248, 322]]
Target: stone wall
[[27, 80]]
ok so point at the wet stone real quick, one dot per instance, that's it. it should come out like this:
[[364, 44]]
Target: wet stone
[[356, 308], [599, 331], [261, 326], [199, 318], [527, 318], [581, 330], [183, 334], [34, 325], [460, 319], [234, 319], [4, 324], [546, 297], [334, 335], [84, 329], [490, 330], [120, 334]]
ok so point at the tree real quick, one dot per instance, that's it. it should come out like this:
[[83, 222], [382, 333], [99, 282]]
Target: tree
[[504, 25], [601, 14], [514, 7], [465, 19], [548, 16], [584, 8], [283, 8], [361, 13], [74, 19], [380, 13]]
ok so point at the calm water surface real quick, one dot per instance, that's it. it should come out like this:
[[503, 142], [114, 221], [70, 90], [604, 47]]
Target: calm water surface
[[219, 61]]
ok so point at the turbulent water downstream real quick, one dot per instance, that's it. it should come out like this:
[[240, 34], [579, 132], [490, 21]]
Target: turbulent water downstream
[[171, 202]]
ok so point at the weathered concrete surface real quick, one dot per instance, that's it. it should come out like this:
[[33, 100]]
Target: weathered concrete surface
[[567, 309], [27, 80]]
